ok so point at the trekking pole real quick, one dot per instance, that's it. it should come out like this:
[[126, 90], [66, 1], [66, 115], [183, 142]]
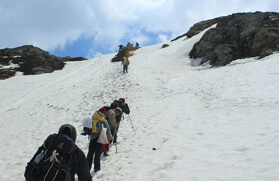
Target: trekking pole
[[114, 137], [116, 143], [132, 124]]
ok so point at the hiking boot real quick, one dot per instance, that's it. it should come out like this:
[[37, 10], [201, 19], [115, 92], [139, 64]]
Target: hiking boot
[[106, 153], [96, 169]]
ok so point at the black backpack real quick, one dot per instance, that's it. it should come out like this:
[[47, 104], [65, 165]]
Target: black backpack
[[107, 108], [115, 104], [55, 160]]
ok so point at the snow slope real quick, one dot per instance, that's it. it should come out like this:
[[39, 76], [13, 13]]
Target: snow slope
[[205, 124]]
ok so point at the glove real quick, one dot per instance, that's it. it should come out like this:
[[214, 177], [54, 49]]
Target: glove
[[86, 131]]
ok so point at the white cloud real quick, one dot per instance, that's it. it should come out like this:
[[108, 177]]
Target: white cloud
[[52, 24], [45, 23], [162, 38]]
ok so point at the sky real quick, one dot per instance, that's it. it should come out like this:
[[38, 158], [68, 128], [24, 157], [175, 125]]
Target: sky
[[90, 28], [190, 123]]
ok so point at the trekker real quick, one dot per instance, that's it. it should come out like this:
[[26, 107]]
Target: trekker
[[98, 119], [125, 109], [125, 62], [59, 158], [114, 113], [111, 116]]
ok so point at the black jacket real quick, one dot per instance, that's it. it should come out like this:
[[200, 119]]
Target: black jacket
[[125, 109], [79, 166]]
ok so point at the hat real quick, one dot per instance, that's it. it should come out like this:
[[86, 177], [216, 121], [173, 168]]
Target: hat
[[69, 130], [103, 110], [122, 99], [119, 109]]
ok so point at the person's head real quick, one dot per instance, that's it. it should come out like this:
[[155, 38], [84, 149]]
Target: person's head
[[118, 111], [69, 130], [122, 99], [103, 110]]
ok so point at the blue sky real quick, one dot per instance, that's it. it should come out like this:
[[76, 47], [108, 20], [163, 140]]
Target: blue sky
[[90, 28]]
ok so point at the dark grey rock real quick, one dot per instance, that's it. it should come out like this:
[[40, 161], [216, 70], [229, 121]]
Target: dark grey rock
[[6, 73], [41, 70], [32, 60], [236, 36], [165, 45]]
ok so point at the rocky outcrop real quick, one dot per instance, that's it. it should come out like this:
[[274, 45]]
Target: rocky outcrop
[[30, 60], [6, 73], [165, 45], [236, 36], [121, 53], [70, 59], [198, 27], [124, 51]]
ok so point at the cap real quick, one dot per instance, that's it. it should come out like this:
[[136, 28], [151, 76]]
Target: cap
[[118, 109], [122, 99]]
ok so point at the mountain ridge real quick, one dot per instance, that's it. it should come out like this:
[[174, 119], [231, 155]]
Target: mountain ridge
[[236, 36]]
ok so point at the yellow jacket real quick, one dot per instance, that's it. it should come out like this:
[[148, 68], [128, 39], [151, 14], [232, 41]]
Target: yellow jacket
[[97, 116]]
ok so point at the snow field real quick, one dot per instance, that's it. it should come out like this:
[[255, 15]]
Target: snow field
[[205, 124]]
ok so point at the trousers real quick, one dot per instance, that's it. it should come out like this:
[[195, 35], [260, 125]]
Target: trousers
[[95, 150], [125, 69]]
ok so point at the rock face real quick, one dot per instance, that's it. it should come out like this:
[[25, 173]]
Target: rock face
[[30, 60], [236, 36], [118, 57], [124, 51]]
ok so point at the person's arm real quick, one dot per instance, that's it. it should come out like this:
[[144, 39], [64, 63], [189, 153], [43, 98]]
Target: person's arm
[[83, 171], [125, 108]]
